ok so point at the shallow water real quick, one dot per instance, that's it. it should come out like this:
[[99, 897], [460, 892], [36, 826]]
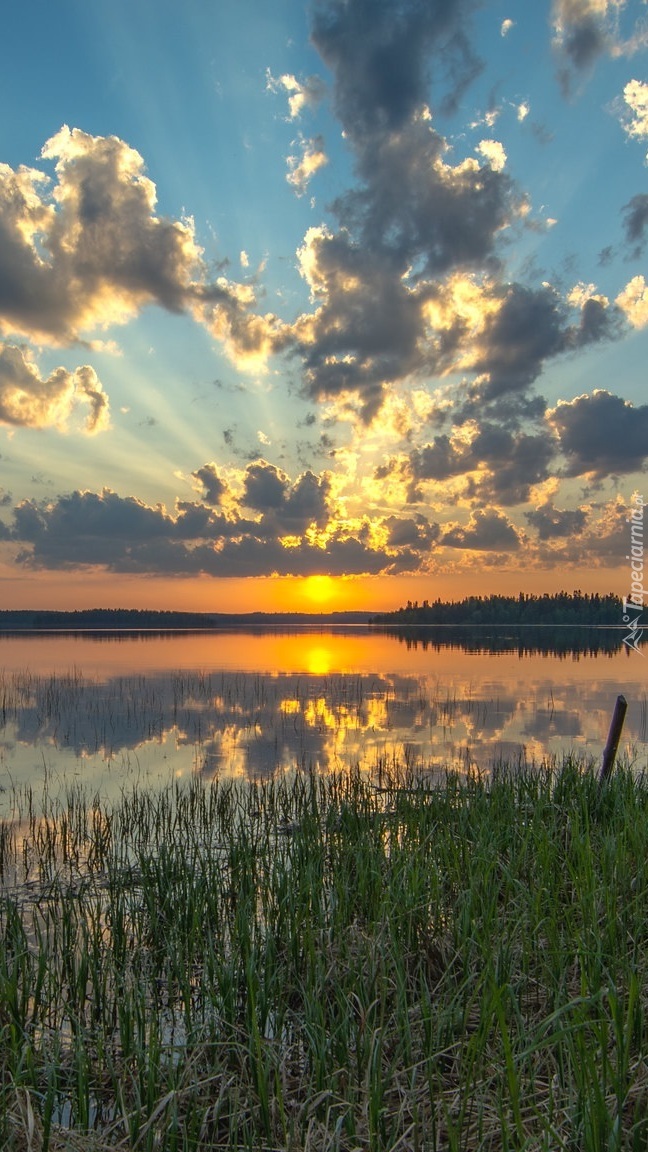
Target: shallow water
[[110, 710]]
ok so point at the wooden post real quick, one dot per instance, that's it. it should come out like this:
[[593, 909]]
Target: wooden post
[[614, 735]]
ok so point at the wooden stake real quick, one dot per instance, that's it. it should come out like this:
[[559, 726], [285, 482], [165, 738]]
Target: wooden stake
[[614, 735]]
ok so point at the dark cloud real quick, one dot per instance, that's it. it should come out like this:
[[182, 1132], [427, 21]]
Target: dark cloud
[[516, 463], [415, 532], [420, 209], [214, 486], [365, 332], [635, 222], [513, 463], [524, 332], [125, 535], [551, 522], [580, 36], [488, 530], [265, 486], [381, 52], [601, 434], [530, 327]]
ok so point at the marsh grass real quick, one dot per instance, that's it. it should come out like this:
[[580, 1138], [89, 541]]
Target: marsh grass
[[328, 962]]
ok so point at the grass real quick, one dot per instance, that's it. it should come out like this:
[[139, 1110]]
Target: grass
[[328, 962]]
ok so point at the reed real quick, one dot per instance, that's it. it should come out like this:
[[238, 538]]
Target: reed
[[344, 961]]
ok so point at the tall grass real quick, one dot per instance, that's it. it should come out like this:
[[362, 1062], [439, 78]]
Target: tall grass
[[328, 962]]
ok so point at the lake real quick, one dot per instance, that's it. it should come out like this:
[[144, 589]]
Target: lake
[[110, 710]]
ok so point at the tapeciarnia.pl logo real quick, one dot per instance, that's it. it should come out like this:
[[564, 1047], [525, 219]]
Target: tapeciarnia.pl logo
[[637, 591]]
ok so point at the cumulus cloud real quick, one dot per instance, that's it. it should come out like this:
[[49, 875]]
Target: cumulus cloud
[[635, 118], [493, 153], [418, 208], [29, 401], [633, 302], [488, 530], [551, 522], [500, 466], [214, 486], [123, 534], [88, 251], [601, 434], [303, 168], [519, 328], [506, 27]]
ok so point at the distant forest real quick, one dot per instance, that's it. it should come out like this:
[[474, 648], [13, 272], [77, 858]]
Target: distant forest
[[562, 608], [576, 609], [142, 620]]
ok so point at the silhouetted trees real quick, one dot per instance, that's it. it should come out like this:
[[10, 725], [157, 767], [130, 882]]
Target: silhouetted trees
[[559, 608]]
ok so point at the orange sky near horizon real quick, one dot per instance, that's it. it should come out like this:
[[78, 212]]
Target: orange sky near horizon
[[70, 591]]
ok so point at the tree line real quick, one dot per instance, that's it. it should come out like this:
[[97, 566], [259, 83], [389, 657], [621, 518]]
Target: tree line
[[563, 608]]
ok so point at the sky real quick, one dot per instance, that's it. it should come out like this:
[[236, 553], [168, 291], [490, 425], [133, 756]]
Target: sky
[[320, 305]]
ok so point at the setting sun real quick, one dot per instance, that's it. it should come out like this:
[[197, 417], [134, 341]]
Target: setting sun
[[319, 589]]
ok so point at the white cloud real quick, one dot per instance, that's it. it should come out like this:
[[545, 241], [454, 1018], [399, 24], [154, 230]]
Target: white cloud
[[493, 152], [507, 25], [633, 301], [302, 169], [635, 121], [301, 93], [30, 401]]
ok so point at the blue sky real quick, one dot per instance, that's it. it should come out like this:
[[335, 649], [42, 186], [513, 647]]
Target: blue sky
[[350, 290]]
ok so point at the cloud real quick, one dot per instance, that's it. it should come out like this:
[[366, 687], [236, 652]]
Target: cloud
[[493, 153], [601, 434], [301, 93], [423, 211], [635, 120], [633, 302], [303, 168], [488, 530], [29, 401], [500, 466], [552, 522], [122, 534], [520, 328], [506, 27], [288, 507], [226, 310], [365, 330], [635, 223], [380, 53], [581, 33], [90, 251], [215, 487]]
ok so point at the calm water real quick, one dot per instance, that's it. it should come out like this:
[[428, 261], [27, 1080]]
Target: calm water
[[111, 711]]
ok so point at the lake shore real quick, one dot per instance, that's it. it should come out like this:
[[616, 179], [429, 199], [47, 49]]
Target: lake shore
[[350, 960]]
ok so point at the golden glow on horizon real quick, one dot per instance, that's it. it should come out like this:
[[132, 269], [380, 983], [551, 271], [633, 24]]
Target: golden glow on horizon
[[320, 589], [97, 589]]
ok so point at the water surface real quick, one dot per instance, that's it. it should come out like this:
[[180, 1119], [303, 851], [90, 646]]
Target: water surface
[[108, 710]]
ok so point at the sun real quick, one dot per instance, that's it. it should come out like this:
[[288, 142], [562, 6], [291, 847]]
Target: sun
[[319, 589]]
